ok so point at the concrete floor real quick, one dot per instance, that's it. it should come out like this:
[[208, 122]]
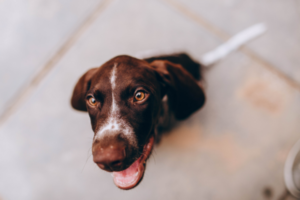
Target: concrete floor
[[232, 149]]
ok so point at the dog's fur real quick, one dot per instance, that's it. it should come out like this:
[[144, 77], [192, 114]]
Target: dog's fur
[[125, 128]]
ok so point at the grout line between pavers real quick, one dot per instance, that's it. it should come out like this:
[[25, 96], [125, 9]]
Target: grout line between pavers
[[36, 80], [291, 82], [224, 36], [199, 19]]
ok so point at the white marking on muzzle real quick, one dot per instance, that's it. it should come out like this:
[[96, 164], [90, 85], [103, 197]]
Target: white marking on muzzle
[[114, 121]]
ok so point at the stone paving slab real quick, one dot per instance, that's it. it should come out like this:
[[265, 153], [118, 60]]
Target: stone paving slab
[[232, 149], [31, 32], [280, 46], [236, 146]]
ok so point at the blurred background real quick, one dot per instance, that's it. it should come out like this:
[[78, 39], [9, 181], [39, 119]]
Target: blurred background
[[232, 149]]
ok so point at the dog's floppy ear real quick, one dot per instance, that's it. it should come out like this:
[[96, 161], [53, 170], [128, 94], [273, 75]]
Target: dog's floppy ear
[[79, 92], [185, 96]]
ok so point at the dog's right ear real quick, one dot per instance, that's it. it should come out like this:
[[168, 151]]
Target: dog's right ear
[[82, 86]]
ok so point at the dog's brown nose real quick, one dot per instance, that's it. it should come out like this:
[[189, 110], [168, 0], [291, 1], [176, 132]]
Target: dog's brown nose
[[109, 154]]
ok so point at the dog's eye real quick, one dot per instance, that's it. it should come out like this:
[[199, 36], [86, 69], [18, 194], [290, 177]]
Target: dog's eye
[[139, 96], [92, 101]]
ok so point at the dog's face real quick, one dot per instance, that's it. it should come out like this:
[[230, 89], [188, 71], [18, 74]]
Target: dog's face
[[124, 98]]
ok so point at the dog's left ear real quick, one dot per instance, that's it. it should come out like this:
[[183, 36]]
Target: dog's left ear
[[184, 94], [82, 86]]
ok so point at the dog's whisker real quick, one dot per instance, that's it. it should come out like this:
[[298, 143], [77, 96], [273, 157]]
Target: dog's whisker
[[153, 155], [85, 163]]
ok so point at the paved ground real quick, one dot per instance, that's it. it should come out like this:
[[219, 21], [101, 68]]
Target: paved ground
[[232, 149]]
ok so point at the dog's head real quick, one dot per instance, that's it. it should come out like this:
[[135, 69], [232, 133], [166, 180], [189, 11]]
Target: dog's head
[[124, 98]]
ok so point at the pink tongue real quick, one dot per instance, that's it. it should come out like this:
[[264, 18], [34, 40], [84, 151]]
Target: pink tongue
[[128, 175]]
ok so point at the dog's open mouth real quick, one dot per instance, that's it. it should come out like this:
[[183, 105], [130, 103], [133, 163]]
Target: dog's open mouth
[[131, 176]]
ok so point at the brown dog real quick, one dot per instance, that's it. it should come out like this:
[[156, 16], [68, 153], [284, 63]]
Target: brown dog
[[128, 100]]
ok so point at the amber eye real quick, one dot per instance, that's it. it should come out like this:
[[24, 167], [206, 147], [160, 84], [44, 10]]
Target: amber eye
[[139, 96], [92, 101]]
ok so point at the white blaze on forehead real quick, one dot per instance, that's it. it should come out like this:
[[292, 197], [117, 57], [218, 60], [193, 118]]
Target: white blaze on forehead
[[113, 77], [114, 121], [113, 86]]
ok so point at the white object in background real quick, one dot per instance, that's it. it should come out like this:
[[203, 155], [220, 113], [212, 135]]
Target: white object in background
[[217, 54], [292, 170], [232, 44]]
